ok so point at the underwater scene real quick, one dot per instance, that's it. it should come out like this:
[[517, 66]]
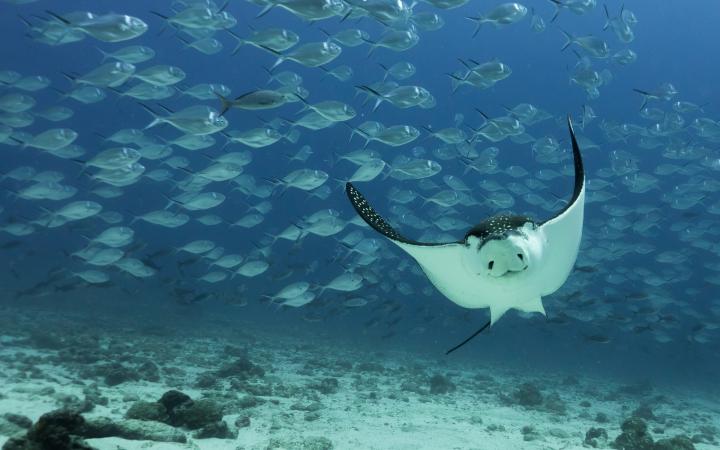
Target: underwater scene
[[359, 224]]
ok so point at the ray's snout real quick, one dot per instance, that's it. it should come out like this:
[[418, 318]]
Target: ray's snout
[[500, 258]]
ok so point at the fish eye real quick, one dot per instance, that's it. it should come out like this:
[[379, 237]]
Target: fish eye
[[519, 255], [490, 265]]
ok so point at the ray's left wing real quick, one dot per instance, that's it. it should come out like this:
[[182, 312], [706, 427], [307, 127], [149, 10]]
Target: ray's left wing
[[564, 231]]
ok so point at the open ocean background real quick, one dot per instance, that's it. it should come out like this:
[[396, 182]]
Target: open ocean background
[[629, 316]]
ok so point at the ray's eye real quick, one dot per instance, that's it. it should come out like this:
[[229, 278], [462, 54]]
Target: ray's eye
[[490, 265], [519, 255]]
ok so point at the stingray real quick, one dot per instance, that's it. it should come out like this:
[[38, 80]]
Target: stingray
[[505, 262]]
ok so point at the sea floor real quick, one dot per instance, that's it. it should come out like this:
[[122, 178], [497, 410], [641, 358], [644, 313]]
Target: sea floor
[[283, 391]]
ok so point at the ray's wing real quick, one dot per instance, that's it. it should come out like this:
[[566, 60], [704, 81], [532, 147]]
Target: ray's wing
[[372, 218], [438, 261], [564, 231]]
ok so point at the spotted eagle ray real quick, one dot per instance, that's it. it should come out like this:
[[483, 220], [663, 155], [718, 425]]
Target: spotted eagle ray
[[505, 262]]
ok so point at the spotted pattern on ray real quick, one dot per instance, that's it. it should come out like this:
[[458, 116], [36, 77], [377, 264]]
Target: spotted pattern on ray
[[498, 227], [372, 218]]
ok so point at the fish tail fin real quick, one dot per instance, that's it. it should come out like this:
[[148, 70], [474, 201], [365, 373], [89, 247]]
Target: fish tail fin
[[455, 82], [63, 94], [170, 201], [386, 174], [646, 95], [569, 39], [485, 116], [240, 41], [26, 22], [185, 41], [72, 78], [226, 103], [386, 71], [162, 16], [292, 136], [105, 55], [478, 23], [277, 62], [341, 182], [270, 75], [607, 17], [135, 216], [12, 193], [378, 96], [116, 91], [58, 17], [372, 45], [265, 10], [557, 4], [228, 140], [83, 166], [323, 31], [156, 119]]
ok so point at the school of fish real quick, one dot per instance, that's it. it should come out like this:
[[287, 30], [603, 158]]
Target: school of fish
[[195, 198]]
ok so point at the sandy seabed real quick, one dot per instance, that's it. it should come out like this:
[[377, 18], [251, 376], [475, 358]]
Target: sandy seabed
[[247, 389]]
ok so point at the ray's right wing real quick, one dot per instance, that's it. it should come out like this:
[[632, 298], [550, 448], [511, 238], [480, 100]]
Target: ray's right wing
[[436, 260]]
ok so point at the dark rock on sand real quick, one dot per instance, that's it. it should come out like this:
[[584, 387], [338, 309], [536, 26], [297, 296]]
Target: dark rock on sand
[[705, 435], [676, 443], [74, 403], [149, 371], [179, 410], [172, 399], [309, 407], [326, 386], [634, 436], [92, 393], [644, 412], [412, 386], [601, 418], [56, 430], [18, 420], [207, 380], [440, 384], [528, 395], [8, 428], [530, 433], [554, 404], [116, 373], [218, 430], [241, 368], [133, 430], [148, 411], [256, 388], [247, 401], [596, 437], [196, 414], [47, 341], [307, 443], [243, 421]]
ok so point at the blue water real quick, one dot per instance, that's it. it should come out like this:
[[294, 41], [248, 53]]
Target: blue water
[[674, 43]]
